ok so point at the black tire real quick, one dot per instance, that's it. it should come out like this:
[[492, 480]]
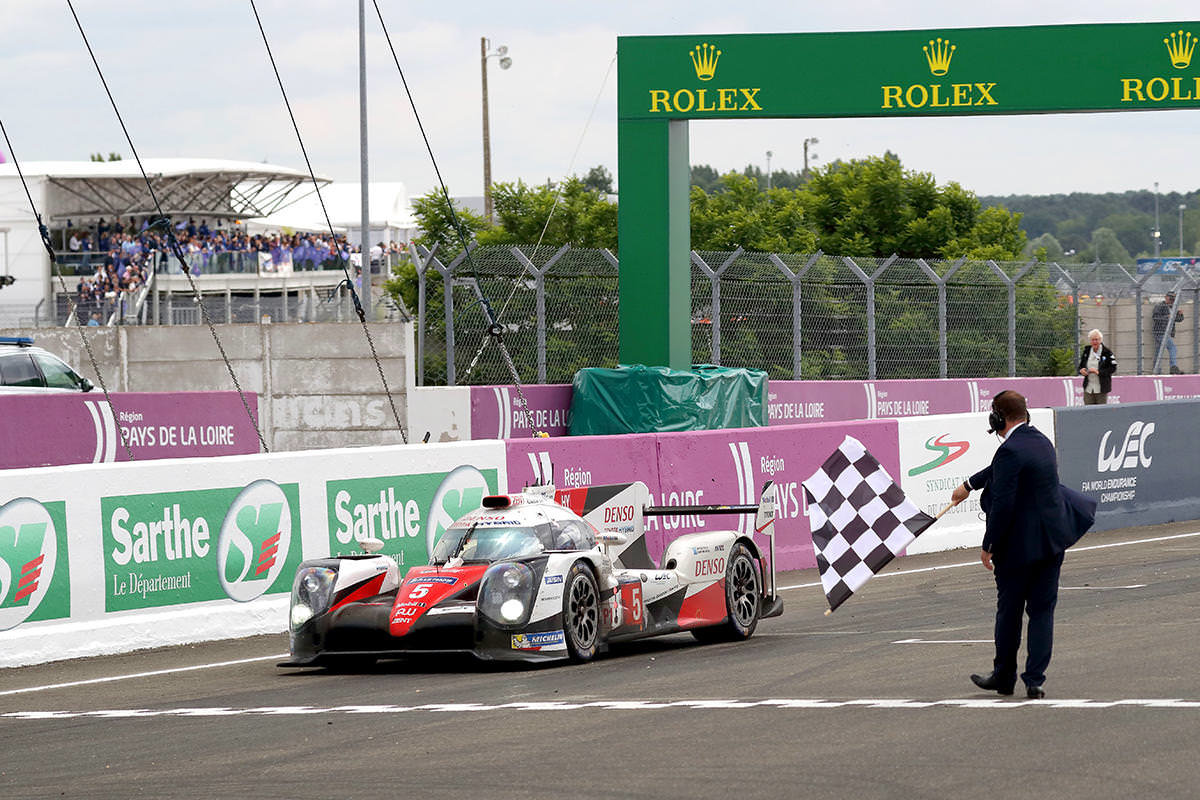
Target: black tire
[[743, 600], [581, 613]]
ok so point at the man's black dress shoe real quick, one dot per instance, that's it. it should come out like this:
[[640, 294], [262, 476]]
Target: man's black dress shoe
[[1035, 692], [993, 684]]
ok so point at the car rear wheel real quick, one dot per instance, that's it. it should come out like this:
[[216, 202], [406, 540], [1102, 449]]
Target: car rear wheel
[[581, 613], [743, 600]]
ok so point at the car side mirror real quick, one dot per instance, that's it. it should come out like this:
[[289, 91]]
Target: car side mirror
[[85, 385], [611, 537]]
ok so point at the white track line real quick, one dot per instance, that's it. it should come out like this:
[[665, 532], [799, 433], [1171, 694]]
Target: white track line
[[617, 705], [113, 678], [975, 563], [152, 673]]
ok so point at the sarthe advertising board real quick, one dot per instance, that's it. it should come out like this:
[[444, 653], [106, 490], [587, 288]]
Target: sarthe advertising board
[[104, 558], [1138, 460]]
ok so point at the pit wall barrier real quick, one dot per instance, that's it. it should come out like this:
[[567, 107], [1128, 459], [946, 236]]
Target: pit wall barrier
[[109, 558], [115, 557], [47, 429], [1138, 460], [460, 413]]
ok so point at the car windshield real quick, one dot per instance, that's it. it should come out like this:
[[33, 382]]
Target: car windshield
[[485, 544], [58, 375]]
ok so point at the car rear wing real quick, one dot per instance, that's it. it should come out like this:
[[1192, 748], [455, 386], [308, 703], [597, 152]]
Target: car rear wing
[[763, 511]]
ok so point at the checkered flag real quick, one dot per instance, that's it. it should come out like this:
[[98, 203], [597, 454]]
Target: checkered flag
[[860, 519]]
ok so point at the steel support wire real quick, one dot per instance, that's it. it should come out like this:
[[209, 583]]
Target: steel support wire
[[342, 259], [494, 330], [174, 245], [44, 232]]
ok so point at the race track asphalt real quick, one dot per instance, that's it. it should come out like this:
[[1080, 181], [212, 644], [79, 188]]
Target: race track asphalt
[[872, 701]]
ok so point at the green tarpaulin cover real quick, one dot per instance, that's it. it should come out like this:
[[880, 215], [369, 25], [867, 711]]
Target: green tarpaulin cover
[[640, 399]]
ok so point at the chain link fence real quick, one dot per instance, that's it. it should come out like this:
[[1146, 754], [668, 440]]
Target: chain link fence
[[796, 316]]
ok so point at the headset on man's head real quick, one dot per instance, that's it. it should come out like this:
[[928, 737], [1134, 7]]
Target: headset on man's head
[[996, 420]]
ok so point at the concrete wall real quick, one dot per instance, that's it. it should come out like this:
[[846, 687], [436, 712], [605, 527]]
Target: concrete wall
[[317, 383]]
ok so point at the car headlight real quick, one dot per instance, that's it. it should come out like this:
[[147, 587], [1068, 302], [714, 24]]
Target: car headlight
[[312, 593], [506, 593]]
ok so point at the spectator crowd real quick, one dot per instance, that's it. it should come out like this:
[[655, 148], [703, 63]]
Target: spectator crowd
[[123, 255]]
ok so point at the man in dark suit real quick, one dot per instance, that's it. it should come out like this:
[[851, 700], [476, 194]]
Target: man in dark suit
[[1031, 521]]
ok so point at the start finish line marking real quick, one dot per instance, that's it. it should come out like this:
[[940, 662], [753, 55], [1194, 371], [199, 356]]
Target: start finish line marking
[[607, 705]]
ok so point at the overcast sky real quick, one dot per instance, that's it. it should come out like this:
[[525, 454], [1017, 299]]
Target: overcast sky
[[193, 80]]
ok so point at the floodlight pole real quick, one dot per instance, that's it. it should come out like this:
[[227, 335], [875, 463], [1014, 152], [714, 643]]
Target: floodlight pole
[[364, 177]]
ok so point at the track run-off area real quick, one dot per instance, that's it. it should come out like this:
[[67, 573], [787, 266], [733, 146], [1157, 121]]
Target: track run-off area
[[873, 701]]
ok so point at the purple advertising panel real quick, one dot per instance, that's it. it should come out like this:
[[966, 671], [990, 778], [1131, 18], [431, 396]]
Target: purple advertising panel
[[790, 402], [731, 466], [1177, 387], [588, 461], [39, 430], [496, 413]]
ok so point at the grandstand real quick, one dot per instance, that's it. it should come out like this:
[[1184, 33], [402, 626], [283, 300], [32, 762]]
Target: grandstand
[[248, 229]]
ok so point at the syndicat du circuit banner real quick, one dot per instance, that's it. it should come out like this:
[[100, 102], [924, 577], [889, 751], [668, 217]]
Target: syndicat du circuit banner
[[1138, 460], [939, 453]]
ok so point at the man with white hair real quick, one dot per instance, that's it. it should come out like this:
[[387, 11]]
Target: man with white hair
[[1096, 365]]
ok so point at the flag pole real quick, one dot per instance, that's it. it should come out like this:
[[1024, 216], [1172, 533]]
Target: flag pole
[[944, 510]]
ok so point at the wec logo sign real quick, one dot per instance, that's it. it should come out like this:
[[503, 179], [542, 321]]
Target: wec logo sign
[[28, 553], [1132, 451]]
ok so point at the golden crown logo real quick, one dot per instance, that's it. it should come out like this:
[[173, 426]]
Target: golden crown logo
[[938, 54], [1180, 47], [704, 59]]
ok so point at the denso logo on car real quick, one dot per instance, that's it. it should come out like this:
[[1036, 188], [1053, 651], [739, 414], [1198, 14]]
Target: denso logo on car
[[710, 566], [618, 514]]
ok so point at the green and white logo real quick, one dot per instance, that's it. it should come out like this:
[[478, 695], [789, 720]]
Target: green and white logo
[[254, 541], [210, 544], [29, 544], [406, 512], [461, 492]]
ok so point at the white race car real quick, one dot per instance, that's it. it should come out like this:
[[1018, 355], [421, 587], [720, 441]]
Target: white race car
[[538, 575]]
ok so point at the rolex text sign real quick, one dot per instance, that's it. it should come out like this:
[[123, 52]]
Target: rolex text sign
[[1017, 70]]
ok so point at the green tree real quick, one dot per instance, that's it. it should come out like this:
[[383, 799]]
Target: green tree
[[572, 214], [1045, 248], [599, 180], [445, 226], [874, 207], [738, 214], [1107, 248]]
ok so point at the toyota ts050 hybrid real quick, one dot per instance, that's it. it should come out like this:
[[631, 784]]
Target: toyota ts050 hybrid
[[538, 575]]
